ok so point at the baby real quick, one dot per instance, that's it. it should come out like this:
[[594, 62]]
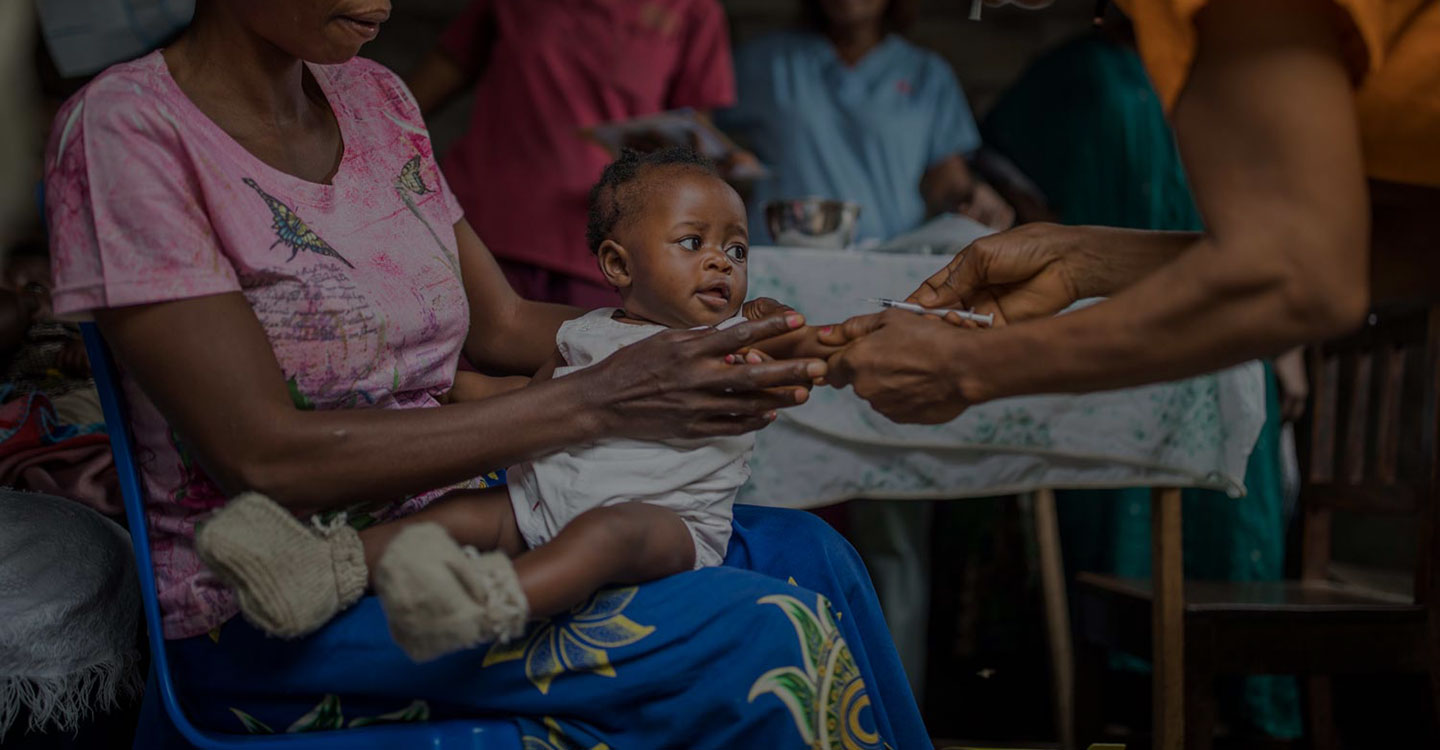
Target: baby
[[670, 235]]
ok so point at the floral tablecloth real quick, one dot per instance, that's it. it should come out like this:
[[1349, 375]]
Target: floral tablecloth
[[1191, 433]]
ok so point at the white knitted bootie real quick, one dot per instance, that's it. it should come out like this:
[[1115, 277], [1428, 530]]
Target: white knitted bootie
[[289, 578], [439, 597]]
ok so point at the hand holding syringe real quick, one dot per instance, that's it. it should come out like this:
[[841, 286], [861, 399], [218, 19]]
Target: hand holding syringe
[[984, 319]]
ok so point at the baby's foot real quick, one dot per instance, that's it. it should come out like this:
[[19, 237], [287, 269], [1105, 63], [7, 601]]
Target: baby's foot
[[440, 597], [289, 578]]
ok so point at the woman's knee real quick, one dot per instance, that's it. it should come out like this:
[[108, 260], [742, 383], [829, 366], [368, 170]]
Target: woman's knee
[[814, 534]]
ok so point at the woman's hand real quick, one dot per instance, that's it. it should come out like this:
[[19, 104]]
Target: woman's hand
[[761, 308], [679, 384], [987, 207], [1027, 272], [909, 367]]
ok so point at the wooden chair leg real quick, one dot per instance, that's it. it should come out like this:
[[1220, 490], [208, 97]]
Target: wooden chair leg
[[1090, 661], [1167, 620], [1433, 657], [1057, 615], [1200, 699], [1320, 713]]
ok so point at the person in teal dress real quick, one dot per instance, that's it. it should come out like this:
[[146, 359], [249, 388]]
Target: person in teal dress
[[1085, 124]]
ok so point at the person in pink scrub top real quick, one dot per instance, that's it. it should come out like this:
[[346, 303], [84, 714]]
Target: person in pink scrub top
[[544, 69]]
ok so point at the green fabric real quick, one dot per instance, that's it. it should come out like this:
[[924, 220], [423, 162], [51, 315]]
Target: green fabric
[[1084, 123]]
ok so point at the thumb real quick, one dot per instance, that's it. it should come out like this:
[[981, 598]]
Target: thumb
[[952, 284], [838, 373], [850, 330]]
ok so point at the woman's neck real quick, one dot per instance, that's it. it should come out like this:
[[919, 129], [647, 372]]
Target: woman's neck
[[221, 60], [854, 42]]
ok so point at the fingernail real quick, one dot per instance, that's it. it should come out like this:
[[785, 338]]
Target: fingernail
[[770, 415], [815, 369], [801, 396], [729, 359], [754, 358], [794, 321], [826, 330]]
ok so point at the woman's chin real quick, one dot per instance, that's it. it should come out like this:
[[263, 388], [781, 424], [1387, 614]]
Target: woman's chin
[[333, 52]]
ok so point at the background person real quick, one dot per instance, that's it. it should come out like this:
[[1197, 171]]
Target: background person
[[542, 70]]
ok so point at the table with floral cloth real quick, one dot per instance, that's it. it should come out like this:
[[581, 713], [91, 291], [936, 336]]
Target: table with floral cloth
[[1190, 433]]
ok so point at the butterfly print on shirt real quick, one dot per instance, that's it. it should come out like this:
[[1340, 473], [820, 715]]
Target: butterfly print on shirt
[[292, 231]]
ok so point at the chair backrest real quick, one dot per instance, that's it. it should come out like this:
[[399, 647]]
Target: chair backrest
[[1371, 442], [467, 735]]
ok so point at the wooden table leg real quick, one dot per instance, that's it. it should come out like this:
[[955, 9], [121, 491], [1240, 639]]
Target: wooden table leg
[[1057, 615], [1167, 620]]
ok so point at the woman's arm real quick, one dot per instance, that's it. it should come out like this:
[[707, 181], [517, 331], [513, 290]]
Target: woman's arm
[[952, 186], [508, 334], [208, 366], [1037, 270], [1267, 128]]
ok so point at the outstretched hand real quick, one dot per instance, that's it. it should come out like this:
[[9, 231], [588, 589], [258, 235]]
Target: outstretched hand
[[907, 366], [1016, 275], [679, 383]]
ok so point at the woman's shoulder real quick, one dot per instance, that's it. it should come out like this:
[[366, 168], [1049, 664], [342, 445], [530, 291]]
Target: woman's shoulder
[[362, 83], [127, 99], [362, 71]]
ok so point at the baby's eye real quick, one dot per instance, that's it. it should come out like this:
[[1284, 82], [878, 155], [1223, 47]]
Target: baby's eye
[[690, 243], [738, 253]]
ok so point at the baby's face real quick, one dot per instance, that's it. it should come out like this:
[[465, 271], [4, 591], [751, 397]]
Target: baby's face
[[686, 248]]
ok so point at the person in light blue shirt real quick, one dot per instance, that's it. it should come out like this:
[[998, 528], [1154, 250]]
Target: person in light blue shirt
[[847, 109]]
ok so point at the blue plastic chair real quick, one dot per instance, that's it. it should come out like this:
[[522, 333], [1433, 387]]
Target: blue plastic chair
[[445, 735]]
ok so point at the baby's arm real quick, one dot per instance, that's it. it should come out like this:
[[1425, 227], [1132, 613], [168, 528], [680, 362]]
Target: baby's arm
[[547, 371], [801, 343], [472, 386]]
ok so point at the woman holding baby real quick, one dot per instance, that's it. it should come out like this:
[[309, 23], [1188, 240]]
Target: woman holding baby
[[256, 222]]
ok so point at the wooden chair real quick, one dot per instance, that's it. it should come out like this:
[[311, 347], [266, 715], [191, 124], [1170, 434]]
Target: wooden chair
[[1372, 449]]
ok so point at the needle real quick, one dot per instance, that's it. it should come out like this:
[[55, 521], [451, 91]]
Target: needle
[[981, 318]]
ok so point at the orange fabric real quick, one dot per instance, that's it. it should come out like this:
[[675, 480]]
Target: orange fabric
[[1394, 51]]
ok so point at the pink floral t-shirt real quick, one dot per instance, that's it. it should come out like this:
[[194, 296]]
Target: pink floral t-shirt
[[356, 283]]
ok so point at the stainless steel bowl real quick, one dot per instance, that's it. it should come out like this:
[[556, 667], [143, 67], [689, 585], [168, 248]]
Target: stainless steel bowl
[[812, 222]]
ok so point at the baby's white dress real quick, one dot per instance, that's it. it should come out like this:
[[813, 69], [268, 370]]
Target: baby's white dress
[[697, 479]]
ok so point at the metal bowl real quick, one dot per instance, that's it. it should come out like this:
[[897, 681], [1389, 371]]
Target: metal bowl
[[812, 222]]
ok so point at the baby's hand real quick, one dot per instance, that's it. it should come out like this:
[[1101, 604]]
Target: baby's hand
[[752, 356], [473, 386]]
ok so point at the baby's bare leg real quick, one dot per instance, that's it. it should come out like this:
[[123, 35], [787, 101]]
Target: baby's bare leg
[[482, 519], [629, 543]]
